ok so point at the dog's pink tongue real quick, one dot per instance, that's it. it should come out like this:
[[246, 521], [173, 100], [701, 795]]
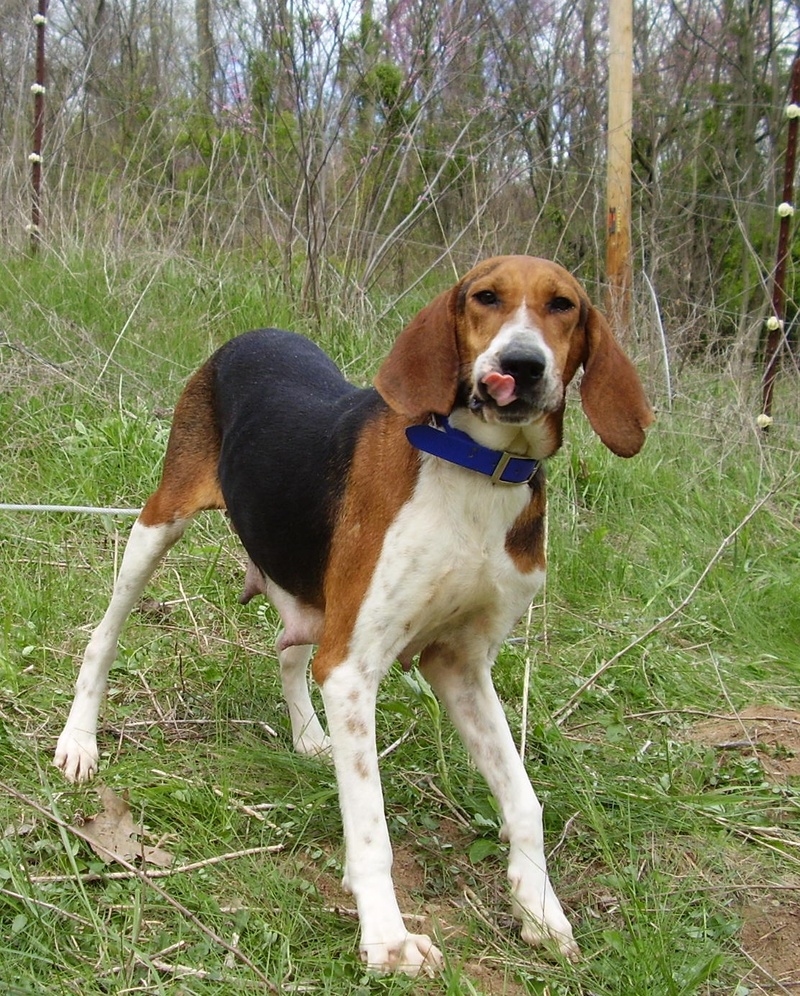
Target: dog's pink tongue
[[501, 387]]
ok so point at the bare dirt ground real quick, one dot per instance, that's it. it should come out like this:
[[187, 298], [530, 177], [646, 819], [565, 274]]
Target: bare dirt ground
[[771, 733], [770, 936]]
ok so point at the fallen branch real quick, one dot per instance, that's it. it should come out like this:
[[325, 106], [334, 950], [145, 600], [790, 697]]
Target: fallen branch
[[703, 713], [155, 873], [776, 983], [45, 906]]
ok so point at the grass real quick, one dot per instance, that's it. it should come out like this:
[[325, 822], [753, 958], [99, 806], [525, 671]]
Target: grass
[[660, 843]]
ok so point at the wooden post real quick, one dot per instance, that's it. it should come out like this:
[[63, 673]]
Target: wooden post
[[776, 337], [618, 198]]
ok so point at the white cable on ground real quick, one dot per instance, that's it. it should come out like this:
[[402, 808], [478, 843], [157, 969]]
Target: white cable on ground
[[86, 509]]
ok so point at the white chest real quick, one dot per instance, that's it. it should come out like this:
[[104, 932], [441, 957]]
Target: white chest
[[444, 566]]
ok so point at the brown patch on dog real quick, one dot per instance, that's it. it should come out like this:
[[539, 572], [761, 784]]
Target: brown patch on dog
[[518, 280], [439, 654], [189, 481], [355, 726], [525, 539], [381, 480], [440, 345]]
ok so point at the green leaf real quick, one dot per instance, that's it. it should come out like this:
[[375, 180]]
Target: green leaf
[[482, 848]]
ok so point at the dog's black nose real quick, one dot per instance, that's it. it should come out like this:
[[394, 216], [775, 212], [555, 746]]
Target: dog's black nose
[[527, 367]]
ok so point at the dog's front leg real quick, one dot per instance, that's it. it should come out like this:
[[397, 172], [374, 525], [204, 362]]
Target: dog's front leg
[[465, 687], [349, 692]]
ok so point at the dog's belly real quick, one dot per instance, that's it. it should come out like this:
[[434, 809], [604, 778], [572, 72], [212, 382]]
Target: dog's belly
[[444, 575]]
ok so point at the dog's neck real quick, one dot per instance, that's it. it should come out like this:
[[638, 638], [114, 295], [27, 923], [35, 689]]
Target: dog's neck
[[536, 440], [442, 439]]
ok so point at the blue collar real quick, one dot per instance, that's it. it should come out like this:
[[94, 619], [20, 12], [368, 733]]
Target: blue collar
[[440, 439]]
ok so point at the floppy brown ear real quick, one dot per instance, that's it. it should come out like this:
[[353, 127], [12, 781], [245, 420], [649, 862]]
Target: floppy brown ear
[[420, 374], [611, 392]]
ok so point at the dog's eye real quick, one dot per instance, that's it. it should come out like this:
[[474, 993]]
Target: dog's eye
[[561, 304], [487, 297]]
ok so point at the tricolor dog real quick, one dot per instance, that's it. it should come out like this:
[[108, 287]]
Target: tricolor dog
[[389, 523]]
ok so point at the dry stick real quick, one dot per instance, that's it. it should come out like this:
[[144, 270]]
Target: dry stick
[[180, 971], [767, 975], [650, 713], [571, 704], [148, 880], [663, 338], [128, 320], [47, 906], [160, 872]]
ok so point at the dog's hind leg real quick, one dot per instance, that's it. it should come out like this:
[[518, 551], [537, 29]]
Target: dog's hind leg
[[308, 736], [188, 484], [76, 752], [302, 626]]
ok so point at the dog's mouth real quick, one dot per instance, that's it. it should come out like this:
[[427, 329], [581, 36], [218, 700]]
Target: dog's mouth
[[516, 412], [498, 397]]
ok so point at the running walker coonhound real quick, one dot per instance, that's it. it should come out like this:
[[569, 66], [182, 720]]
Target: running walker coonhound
[[387, 523]]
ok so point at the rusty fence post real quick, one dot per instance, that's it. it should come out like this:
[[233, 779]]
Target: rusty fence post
[[35, 158], [776, 338]]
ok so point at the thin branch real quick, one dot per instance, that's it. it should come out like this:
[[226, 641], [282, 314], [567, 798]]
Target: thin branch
[[566, 710], [157, 873], [128, 320], [704, 713], [663, 338], [47, 906]]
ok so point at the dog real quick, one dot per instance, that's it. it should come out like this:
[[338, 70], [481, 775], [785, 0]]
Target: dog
[[389, 523]]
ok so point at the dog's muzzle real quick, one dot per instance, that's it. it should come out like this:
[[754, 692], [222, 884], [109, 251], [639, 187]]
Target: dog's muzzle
[[516, 388]]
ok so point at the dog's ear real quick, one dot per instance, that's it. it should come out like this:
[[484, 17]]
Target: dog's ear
[[420, 374], [611, 392]]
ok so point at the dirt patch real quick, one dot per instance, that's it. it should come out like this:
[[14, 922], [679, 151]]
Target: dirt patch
[[770, 733], [770, 936]]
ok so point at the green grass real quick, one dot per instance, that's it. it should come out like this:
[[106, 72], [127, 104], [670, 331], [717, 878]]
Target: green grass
[[661, 842]]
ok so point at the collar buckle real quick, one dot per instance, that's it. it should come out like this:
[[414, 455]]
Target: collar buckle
[[497, 473]]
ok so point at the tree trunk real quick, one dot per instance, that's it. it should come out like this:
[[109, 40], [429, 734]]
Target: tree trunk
[[206, 54]]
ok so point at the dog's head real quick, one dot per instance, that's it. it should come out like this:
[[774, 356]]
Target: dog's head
[[503, 344]]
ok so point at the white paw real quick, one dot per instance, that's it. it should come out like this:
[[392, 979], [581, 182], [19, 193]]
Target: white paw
[[313, 747], [76, 755], [415, 954], [312, 740], [553, 928]]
